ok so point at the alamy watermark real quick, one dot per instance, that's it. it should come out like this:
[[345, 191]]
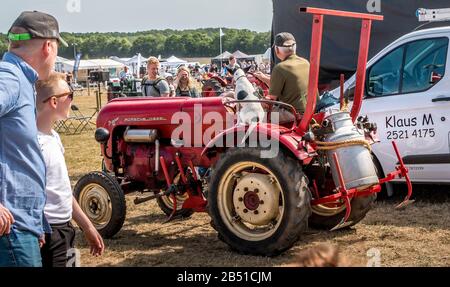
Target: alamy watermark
[[374, 257], [73, 258], [373, 6], [73, 6]]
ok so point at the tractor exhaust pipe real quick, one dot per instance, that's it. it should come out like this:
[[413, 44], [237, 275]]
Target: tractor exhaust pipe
[[140, 135]]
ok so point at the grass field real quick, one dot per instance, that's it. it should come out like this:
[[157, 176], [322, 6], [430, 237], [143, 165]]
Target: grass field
[[416, 236]]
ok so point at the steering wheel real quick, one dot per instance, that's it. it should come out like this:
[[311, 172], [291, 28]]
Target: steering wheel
[[377, 88], [410, 80], [259, 81]]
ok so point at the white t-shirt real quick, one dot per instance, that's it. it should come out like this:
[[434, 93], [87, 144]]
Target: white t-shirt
[[58, 208]]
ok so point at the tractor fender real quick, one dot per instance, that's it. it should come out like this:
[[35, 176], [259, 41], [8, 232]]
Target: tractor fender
[[284, 137]]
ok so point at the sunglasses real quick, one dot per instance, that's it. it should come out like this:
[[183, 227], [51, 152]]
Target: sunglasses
[[284, 46], [69, 94]]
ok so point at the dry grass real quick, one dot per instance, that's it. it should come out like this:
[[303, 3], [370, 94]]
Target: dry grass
[[416, 236]]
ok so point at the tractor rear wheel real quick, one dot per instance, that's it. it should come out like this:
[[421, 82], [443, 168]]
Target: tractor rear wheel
[[328, 216], [258, 206], [166, 203], [103, 201]]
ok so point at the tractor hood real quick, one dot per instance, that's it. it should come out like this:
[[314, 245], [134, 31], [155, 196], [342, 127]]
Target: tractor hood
[[142, 111]]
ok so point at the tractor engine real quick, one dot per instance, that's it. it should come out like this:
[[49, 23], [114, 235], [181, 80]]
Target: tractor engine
[[140, 150], [141, 131]]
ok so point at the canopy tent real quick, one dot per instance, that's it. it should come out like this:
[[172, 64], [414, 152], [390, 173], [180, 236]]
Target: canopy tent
[[99, 64], [112, 66], [61, 63], [239, 55], [341, 36], [136, 62], [120, 60], [225, 55], [174, 60], [267, 55]]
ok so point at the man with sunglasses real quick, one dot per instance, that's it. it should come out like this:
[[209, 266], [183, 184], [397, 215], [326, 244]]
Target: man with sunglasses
[[33, 46], [289, 79], [53, 100]]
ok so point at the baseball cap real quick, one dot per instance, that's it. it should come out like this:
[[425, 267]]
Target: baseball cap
[[283, 37], [38, 25]]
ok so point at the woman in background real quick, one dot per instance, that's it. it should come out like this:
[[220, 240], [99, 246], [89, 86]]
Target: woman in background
[[184, 84]]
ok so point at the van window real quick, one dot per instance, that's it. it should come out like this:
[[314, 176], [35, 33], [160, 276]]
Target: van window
[[384, 76], [413, 67], [424, 59]]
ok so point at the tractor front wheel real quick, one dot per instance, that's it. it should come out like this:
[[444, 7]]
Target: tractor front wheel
[[103, 201], [259, 206]]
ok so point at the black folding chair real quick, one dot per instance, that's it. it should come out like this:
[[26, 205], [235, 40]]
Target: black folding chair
[[79, 122]]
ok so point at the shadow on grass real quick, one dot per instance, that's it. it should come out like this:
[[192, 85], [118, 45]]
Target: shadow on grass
[[187, 243]]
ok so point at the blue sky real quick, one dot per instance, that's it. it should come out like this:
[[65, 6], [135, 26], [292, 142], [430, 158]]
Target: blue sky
[[139, 15]]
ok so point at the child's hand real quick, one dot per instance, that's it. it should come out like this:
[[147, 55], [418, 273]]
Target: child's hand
[[95, 240], [42, 240], [6, 220]]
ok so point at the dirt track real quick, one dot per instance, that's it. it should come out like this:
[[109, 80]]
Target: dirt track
[[417, 236]]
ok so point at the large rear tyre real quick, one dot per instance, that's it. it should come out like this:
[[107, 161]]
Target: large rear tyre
[[258, 206], [166, 204], [103, 201], [327, 217]]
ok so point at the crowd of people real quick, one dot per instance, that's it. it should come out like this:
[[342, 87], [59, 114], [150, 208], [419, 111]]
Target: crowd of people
[[188, 79]]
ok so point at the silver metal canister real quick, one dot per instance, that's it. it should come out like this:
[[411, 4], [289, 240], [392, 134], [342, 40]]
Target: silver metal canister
[[356, 162]]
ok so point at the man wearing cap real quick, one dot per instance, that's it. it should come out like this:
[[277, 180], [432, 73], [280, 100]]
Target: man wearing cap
[[289, 79], [33, 46]]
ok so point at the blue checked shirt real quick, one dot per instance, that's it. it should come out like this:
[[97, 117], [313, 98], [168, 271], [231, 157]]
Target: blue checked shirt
[[22, 168]]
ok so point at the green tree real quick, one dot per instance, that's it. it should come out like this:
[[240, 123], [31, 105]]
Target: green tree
[[175, 45], [187, 43], [148, 45]]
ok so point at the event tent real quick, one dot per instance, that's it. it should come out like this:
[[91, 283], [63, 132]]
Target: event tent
[[224, 55], [267, 55], [174, 60]]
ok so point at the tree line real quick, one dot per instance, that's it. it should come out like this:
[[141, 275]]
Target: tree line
[[185, 43]]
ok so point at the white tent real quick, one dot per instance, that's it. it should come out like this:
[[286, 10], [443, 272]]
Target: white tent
[[61, 63], [121, 60], [136, 62], [174, 60], [267, 55], [64, 65]]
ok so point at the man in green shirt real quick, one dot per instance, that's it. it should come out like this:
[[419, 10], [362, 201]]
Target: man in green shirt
[[289, 80]]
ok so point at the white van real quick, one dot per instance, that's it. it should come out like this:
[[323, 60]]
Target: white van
[[407, 94]]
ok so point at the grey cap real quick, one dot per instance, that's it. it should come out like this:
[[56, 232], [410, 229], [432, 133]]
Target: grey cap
[[38, 25], [282, 38]]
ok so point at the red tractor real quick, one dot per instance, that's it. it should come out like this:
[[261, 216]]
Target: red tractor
[[190, 155]]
